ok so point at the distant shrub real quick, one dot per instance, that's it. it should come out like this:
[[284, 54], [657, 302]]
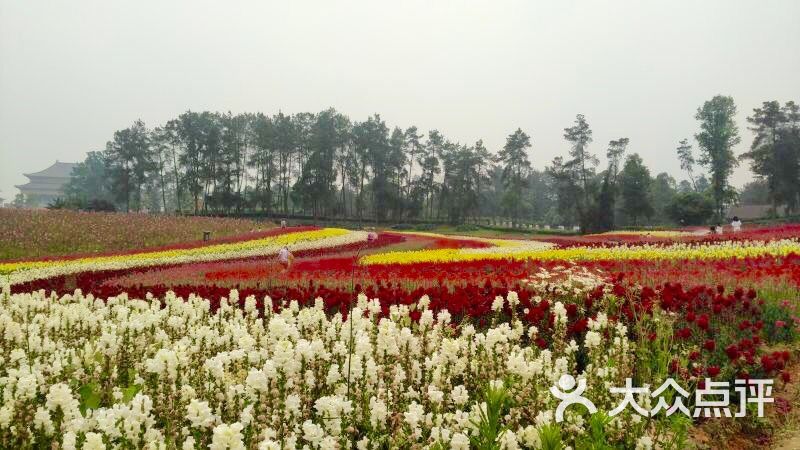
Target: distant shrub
[[425, 227], [690, 208], [467, 227], [99, 205]]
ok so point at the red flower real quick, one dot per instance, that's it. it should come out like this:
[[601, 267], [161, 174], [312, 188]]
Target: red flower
[[702, 322], [684, 333], [710, 345], [786, 377], [673, 366], [713, 371]]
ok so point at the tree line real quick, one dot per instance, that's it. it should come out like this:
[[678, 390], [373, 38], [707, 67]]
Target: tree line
[[326, 165]]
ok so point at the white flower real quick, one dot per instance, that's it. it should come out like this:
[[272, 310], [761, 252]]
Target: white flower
[[459, 442], [312, 432], [60, 397], [68, 443], [269, 444], [435, 395], [529, 436], [93, 441], [414, 414], [513, 299], [560, 312], [508, 441], [227, 437], [378, 412], [424, 302], [497, 304], [644, 443], [459, 395], [592, 340], [199, 414], [257, 380]]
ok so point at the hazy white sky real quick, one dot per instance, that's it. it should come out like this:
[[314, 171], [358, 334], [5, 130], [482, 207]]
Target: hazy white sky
[[73, 72]]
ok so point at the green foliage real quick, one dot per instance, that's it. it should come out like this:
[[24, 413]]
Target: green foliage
[[635, 186], [778, 315], [595, 438], [516, 167], [575, 177], [717, 137], [690, 208], [90, 397], [57, 203], [662, 191], [775, 152], [489, 426], [550, 437], [129, 161], [755, 193], [90, 181], [467, 227], [425, 227]]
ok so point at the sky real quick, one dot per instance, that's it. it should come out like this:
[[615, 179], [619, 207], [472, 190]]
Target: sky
[[71, 73]]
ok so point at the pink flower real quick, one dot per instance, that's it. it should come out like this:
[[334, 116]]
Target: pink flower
[[780, 324]]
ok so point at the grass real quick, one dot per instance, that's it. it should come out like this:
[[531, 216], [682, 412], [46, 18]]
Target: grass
[[43, 233]]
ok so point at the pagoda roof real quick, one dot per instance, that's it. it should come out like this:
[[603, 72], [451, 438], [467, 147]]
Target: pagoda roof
[[57, 170], [34, 186]]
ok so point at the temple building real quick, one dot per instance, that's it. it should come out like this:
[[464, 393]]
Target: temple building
[[47, 185]]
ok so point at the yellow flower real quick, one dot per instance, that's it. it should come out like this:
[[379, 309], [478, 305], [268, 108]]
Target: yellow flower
[[264, 246], [722, 250]]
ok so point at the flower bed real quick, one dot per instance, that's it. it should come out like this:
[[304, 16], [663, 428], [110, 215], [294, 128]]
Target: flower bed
[[533, 250], [21, 272], [240, 370], [39, 233]]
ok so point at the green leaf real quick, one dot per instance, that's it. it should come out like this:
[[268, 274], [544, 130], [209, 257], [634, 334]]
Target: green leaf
[[90, 399], [129, 392]]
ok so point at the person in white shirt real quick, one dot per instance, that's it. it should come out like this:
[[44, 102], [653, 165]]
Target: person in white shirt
[[736, 224], [372, 235], [285, 258]]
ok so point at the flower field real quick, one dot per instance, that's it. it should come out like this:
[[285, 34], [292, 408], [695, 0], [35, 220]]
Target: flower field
[[27, 233], [396, 340]]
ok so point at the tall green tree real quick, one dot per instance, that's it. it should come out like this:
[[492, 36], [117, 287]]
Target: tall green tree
[[89, 180], [663, 190], [130, 162], [718, 134], [635, 186], [775, 152], [615, 154], [430, 167], [687, 161], [316, 184], [516, 166], [578, 172]]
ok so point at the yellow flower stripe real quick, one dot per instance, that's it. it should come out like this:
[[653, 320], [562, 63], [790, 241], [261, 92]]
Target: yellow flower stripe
[[495, 242], [182, 254], [653, 233], [722, 250]]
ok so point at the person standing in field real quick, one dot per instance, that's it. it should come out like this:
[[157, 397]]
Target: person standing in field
[[736, 224], [285, 259]]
